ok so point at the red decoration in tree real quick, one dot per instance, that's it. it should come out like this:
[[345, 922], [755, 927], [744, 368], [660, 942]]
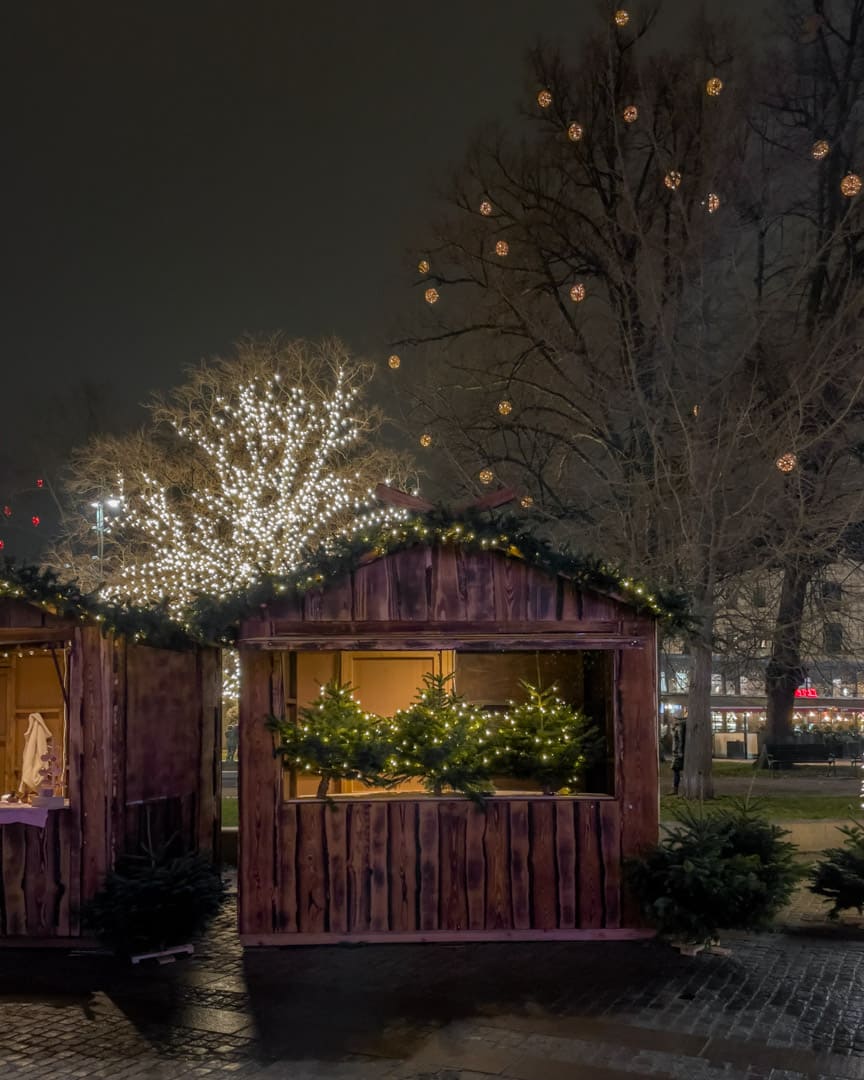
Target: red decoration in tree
[[35, 520], [2, 544], [7, 510], [40, 483]]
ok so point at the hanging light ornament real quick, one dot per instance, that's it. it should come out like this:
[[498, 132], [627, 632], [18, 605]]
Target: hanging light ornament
[[575, 132], [712, 202], [544, 99], [577, 292], [394, 361], [423, 266], [431, 296], [786, 462], [486, 476], [672, 180], [486, 208], [696, 410], [526, 502], [502, 248], [631, 114], [820, 150], [851, 185], [714, 87], [34, 521], [505, 408], [622, 17], [425, 439]]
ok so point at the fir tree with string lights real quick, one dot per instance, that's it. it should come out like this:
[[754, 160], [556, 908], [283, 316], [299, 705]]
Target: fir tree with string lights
[[334, 738]]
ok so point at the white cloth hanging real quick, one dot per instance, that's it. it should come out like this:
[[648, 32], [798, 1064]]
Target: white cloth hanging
[[37, 739]]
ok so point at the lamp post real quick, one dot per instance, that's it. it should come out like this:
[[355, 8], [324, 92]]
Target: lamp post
[[99, 507]]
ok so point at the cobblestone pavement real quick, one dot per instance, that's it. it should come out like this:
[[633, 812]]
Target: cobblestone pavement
[[782, 1006]]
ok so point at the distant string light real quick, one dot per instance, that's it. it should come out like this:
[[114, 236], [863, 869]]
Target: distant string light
[[544, 99], [712, 202], [714, 87], [622, 17], [486, 476], [502, 248], [425, 439], [423, 266], [577, 292], [820, 150], [526, 502], [575, 132], [394, 361], [672, 180], [431, 296], [486, 208], [505, 407], [786, 463], [851, 185], [631, 114]]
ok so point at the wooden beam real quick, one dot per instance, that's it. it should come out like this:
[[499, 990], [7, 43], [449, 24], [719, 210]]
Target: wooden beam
[[401, 642], [394, 497], [444, 937], [490, 501], [34, 636]]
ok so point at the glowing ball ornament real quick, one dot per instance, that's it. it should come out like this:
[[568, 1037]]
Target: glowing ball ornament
[[577, 292], [544, 99], [820, 150], [505, 408], [851, 185], [672, 180], [486, 208], [622, 17], [786, 462], [630, 114], [526, 502], [394, 361], [502, 248], [423, 266], [431, 296], [714, 87], [34, 521], [425, 439], [696, 410], [712, 202], [486, 476], [575, 132]]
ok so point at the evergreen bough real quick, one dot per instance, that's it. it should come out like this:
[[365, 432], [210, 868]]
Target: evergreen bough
[[725, 870], [839, 876]]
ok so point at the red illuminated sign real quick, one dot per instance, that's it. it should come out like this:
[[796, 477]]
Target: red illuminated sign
[[806, 691]]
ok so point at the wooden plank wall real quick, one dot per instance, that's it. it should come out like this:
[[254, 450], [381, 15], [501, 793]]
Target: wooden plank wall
[[419, 867]]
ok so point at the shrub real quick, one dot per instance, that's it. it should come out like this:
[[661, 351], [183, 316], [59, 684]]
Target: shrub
[[334, 737], [151, 903], [839, 876], [546, 740], [442, 740], [728, 870]]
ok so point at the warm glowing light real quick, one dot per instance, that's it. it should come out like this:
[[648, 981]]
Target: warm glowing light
[[502, 248], [714, 87], [486, 208], [425, 439], [821, 149], [696, 410], [431, 296], [786, 462], [622, 17], [34, 521], [672, 180], [713, 202], [631, 114], [851, 185], [575, 132], [423, 266], [577, 292], [526, 502], [544, 99], [505, 407], [486, 476]]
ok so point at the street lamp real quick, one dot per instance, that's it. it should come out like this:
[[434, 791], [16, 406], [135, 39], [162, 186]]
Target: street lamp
[[99, 506]]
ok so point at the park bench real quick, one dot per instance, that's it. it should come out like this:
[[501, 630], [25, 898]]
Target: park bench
[[787, 755]]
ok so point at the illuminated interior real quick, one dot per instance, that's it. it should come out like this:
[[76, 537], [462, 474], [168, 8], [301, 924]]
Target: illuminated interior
[[33, 681]]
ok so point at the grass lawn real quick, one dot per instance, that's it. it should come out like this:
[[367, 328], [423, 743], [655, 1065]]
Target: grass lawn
[[789, 807], [230, 816]]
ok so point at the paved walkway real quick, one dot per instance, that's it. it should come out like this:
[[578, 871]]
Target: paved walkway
[[784, 1006]]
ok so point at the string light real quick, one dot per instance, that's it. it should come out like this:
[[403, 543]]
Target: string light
[[502, 248], [672, 180], [696, 410], [786, 462], [622, 17], [820, 150], [423, 266], [486, 476], [712, 202], [544, 99], [575, 132], [631, 114], [425, 439], [431, 296], [505, 408], [851, 185], [577, 292], [526, 502], [394, 361], [486, 208], [714, 87]]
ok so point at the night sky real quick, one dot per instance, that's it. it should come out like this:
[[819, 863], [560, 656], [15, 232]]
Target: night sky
[[180, 173]]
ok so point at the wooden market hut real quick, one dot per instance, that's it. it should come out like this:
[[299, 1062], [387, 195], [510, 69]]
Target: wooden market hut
[[406, 866], [137, 734]]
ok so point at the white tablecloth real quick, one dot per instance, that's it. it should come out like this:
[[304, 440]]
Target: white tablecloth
[[16, 813]]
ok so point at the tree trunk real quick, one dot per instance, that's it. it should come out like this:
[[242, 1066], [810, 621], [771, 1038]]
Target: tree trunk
[[785, 671], [323, 787], [696, 779]]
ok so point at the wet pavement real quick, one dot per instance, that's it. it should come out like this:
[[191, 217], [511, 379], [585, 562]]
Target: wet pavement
[[784, 1006]]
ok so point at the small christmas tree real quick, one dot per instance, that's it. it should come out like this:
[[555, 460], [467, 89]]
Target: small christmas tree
[[335, 737], [442, 740], [548, 741]]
